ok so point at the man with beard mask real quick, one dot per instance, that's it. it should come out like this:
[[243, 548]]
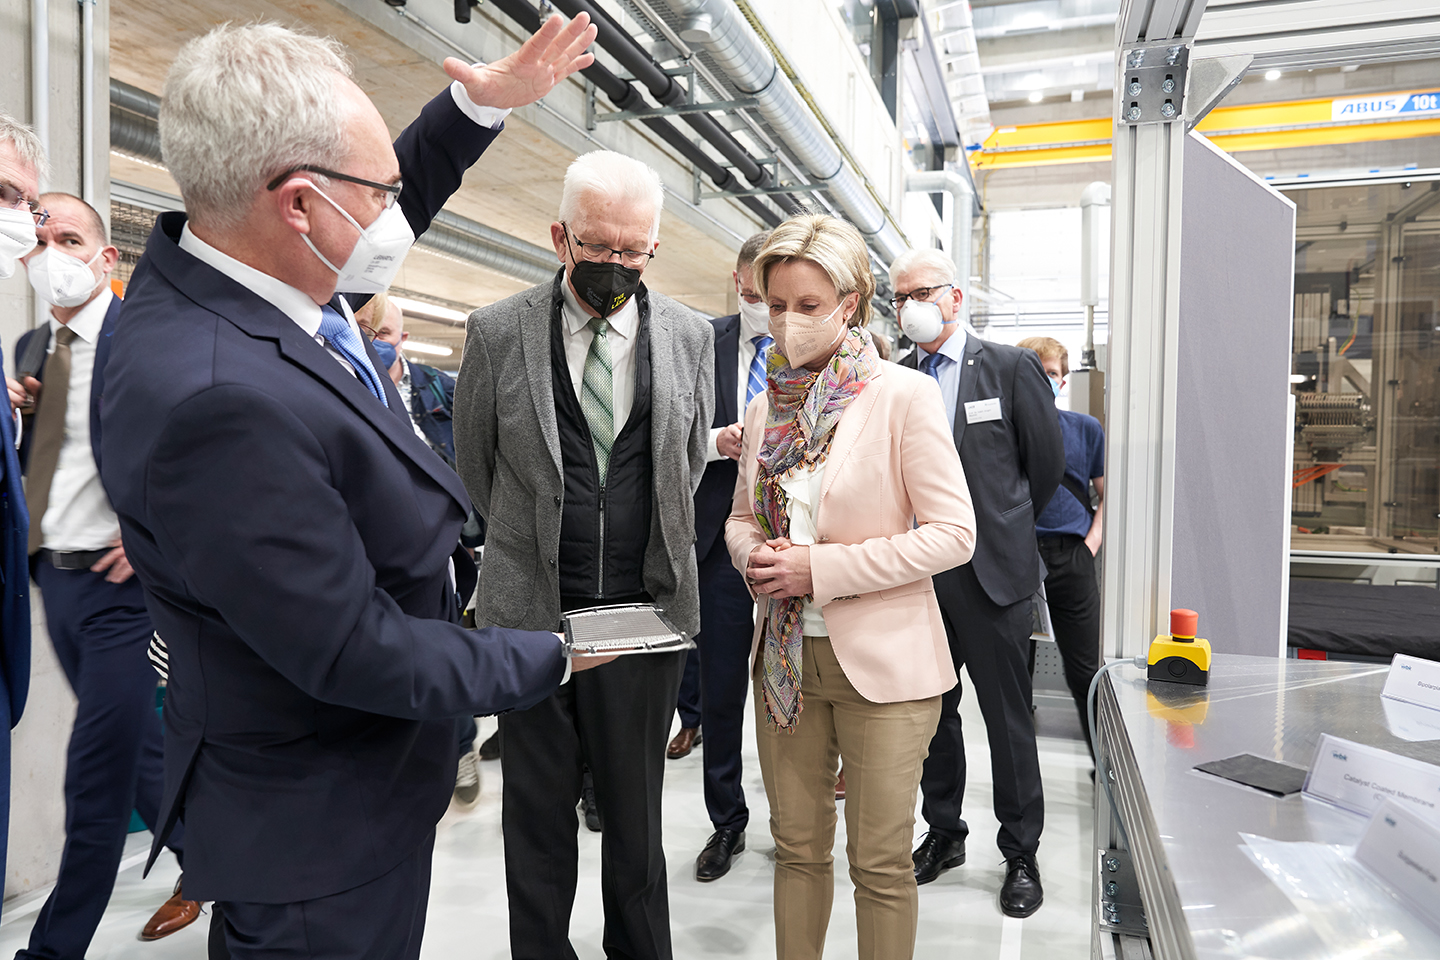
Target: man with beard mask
[[717, 673], [1002, 413], [582, 418]]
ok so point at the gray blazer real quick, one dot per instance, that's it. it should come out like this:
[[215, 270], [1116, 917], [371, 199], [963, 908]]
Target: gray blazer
[[507, 449]]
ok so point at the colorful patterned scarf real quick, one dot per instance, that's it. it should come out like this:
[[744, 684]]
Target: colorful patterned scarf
[[804, 408]]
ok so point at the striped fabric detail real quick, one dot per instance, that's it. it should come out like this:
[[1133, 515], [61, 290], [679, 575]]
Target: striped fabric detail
[[159, 656], [597, 394], [756, 386]]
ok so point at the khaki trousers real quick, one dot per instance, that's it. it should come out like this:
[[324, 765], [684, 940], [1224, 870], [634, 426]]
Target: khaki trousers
[[884, 747]]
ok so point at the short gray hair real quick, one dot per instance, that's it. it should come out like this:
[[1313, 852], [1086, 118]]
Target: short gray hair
[[26, 144], [928, 259], [616, 177], [243, 104]]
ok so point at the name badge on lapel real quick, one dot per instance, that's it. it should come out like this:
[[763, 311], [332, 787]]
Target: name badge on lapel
[[978, 411]]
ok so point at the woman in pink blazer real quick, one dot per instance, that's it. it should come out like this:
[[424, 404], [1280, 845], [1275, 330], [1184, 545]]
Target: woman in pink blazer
[[850, 497]]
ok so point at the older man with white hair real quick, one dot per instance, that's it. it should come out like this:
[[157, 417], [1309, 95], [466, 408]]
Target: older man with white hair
[[1002, 414], [292, 533], [21, 161], [582, 421]]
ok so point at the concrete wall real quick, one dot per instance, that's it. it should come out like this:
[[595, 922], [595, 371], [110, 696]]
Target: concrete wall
[[38, 743]]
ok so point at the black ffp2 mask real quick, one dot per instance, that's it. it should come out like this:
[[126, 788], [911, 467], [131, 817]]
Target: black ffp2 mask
[[604, 286]]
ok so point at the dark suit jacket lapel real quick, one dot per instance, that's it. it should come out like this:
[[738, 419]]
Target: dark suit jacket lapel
[[969, 382], [258, 318], [97, 375], [727, 363]]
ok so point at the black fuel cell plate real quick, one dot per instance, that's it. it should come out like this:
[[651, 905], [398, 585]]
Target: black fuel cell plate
[[1279, 779]]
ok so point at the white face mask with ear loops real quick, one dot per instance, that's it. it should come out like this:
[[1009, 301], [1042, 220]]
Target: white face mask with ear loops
[[62, 280], [17, 238]]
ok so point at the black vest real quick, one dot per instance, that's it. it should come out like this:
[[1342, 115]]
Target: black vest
[[604, 530]]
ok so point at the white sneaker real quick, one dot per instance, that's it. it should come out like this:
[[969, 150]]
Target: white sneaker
[[467, 780]]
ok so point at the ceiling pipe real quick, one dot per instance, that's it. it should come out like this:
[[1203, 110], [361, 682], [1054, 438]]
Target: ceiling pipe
[[722, 30], [961, 221], [134, 130], [624, 96], [666, 91]]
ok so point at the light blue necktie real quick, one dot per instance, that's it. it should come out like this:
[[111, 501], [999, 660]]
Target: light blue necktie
[[338, 333], [756, 385]]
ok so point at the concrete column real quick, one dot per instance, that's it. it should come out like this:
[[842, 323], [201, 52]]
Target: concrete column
[[38, 744]]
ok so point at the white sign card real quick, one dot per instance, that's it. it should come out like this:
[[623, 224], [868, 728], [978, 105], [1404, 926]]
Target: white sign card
[[1360, 778], [1403, 849], [979, 411], [1414, 681]]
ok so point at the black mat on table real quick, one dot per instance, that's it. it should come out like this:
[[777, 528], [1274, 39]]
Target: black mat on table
[[1358, 618]]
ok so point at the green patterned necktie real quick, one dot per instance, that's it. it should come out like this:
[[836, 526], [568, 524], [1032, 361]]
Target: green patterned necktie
[[597, 394]]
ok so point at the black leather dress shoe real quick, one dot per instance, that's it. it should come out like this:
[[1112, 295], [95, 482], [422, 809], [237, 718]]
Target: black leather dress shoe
[[714, 861], [935, 855], [1021, 895]]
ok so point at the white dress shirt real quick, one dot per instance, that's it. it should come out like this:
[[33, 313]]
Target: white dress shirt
[[803, 487], [949, 373], [742, 383], [291, 301], [624, 332], [78, 515]]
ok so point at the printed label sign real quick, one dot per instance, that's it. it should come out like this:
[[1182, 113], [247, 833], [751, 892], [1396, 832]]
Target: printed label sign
[[1401, 105], [1414, 681], [1404, 850], [1360, 778], [978, 411]]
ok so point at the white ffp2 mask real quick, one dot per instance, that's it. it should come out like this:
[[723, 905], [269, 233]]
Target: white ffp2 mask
[[921, 321], [62, 280], [378, 253], [17, 238], [754, 319]]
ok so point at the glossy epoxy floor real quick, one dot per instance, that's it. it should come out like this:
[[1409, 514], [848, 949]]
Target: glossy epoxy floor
[[728, 918]]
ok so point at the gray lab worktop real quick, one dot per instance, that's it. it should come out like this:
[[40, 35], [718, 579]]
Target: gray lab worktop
[[1203, 897]]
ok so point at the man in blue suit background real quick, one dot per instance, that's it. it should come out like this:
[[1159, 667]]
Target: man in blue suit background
[[292, 533], [21, 160]]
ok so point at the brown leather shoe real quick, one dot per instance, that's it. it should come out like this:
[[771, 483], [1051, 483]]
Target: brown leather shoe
[[174, 914], [686, 740]]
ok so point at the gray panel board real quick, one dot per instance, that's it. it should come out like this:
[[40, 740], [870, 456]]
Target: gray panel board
[[1233, 431]]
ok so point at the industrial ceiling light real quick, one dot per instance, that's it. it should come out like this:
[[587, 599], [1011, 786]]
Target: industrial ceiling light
[[1036, 96], [422, 309], [1272, 74], [432, 349]]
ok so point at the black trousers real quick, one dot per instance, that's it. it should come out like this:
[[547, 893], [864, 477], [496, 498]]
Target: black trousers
[[1073, 596], [993, 643], [688, 703], [614, 719], [727, 616], [382, 919], [115, 761]]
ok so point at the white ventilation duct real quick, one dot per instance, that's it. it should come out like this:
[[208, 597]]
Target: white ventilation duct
[[963, 207], [719, 28]]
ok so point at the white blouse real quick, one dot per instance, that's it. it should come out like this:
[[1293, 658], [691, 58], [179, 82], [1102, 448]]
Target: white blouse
[[803, 487]]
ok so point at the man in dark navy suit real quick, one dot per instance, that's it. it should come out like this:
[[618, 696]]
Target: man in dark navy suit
[[742, 347], [21, 160], [94, 608], [292, 533], [1002, 410]]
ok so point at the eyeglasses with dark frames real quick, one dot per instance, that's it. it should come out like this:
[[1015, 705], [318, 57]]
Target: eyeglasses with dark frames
[[598, 252], [392, 190], [13, 198], [922, 294]]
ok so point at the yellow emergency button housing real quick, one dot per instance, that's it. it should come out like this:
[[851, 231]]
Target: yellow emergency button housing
[[1180, 657]]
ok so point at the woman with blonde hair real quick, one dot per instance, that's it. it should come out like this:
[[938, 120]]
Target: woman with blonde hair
[[850, 497]]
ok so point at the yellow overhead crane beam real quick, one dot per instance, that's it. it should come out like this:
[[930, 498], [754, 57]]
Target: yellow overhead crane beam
[[1258, 126]]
